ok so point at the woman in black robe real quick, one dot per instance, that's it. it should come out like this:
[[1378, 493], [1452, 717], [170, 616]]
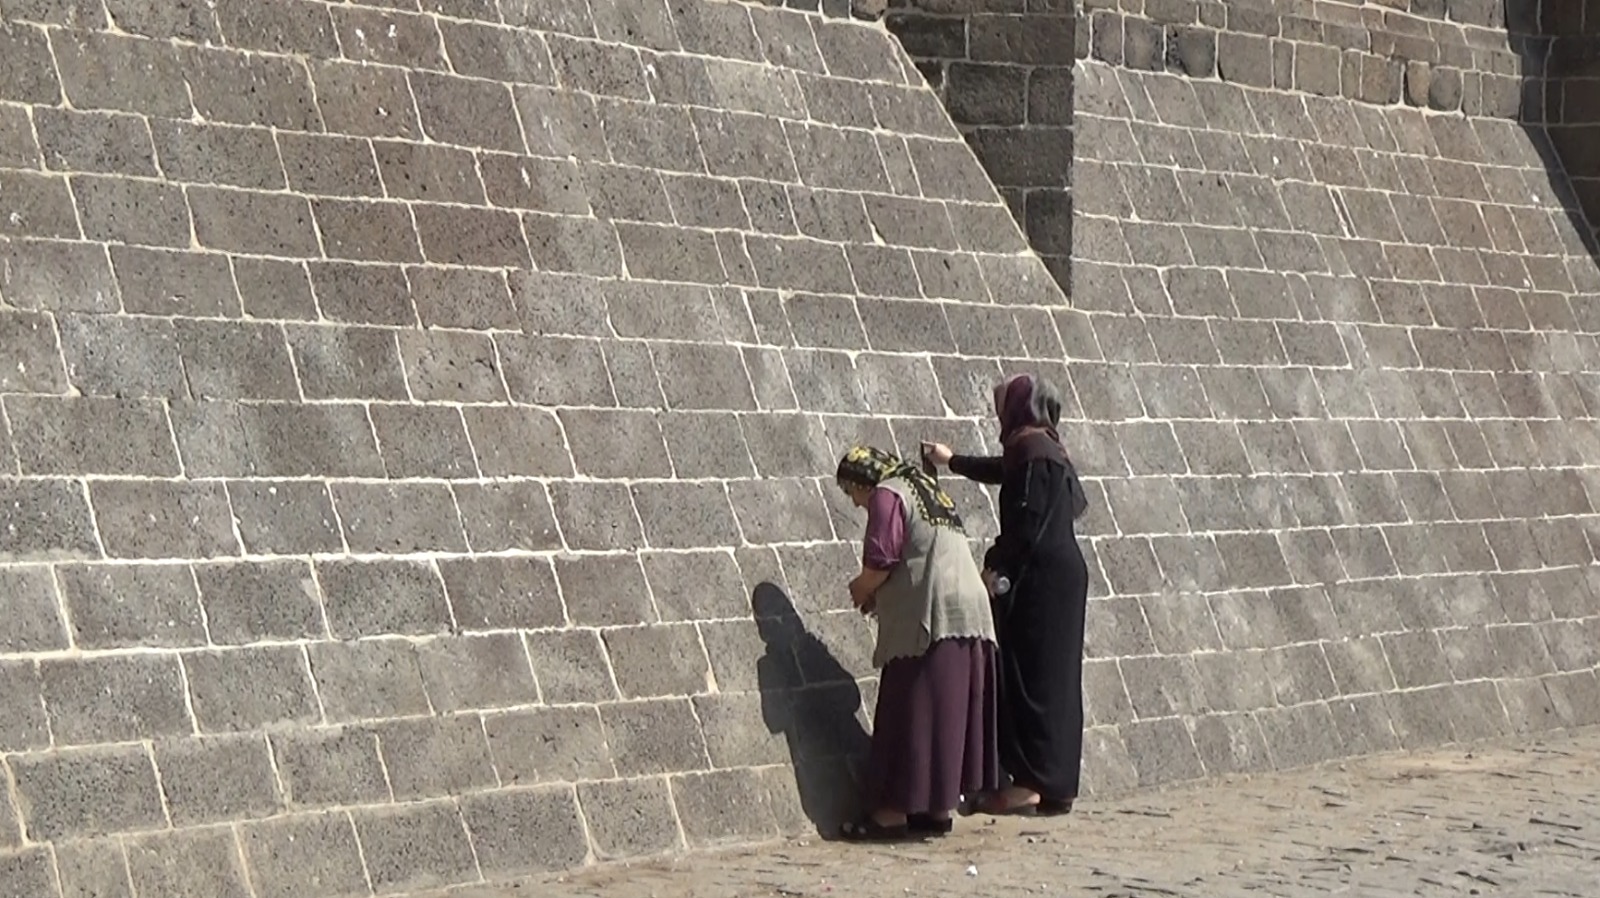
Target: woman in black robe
[[1039, 619]]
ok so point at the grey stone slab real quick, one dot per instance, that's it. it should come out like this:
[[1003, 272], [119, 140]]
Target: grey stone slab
[[275, 440], [416, 846], [37, 623], [744, 729], [29, 871], [215, 154], [693, 585], [217, 779], [289, 517], [502, 593], [58, 275], [657, 660], [109, 356], [57, 436], [470, 672], [87, 792], [25, 727], [32, 340], [630, 817], [1162, 751], [45, 521], [251, 688], [273, 288], [369, 598], [688, 373], [571, 666], [604, 590], [123, 606], [46, 209], [501, 516], [452, 367], [461, 236], [187, 862], [685, 515], [654, 737], [115, 698], [93, 868], [555, 371], [524, 831], [150, 519], [334, 766], [105, 207], [435, 757], [780, 510], [288, 855], [544, 745], [255, 601], [368, 679], [517, 441]]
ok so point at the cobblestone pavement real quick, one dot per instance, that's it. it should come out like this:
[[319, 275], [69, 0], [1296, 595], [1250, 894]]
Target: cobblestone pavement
[[1491, 820]]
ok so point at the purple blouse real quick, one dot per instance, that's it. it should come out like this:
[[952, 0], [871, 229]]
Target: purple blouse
[[884, 545]]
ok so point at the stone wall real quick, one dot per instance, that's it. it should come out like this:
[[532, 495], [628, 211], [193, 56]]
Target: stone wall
[[1344, 412], [418, 427]]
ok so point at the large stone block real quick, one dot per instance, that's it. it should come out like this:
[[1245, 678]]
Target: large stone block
[[187, 862], [525, 831], [117, 698], [435, 757], [289, 855], [329, 767], [251, 688], [30, 591], [123, 606], [87, 792], [415, 846], [93, 868], [368, 679], [371, 598], [217, 779], [629, 818]]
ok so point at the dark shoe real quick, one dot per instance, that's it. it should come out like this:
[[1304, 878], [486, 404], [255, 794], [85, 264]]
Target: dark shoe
[[868, 830], [925, 823], [1053, 807]]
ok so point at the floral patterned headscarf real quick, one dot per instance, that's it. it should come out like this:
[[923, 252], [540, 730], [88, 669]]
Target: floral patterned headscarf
[[870, 467]]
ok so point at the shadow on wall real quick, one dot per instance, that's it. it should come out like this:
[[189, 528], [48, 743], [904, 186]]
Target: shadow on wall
[[1558, 43], [813, 700]]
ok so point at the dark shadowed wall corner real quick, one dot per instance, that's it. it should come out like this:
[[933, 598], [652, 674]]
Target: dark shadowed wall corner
[[1563, 49], [1004, 71]]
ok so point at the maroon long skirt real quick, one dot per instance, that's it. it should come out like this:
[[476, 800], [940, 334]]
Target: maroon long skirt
[[934, 730]]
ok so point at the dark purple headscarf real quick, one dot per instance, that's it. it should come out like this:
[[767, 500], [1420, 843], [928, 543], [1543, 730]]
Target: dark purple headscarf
[[1026, 403]]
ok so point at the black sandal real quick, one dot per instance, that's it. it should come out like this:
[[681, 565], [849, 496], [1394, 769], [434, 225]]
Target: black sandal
[[927, 823], [868, 830]]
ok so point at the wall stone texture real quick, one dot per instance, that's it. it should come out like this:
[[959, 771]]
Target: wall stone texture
[[417, 417]]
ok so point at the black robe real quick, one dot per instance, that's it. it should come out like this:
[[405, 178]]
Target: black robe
[[1040, 619]]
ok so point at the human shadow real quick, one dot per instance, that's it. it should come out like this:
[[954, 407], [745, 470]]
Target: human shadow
[[813, 700]]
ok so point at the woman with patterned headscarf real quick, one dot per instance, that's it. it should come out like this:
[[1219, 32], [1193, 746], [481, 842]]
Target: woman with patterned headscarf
[[1041, 589], [934, 728]]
